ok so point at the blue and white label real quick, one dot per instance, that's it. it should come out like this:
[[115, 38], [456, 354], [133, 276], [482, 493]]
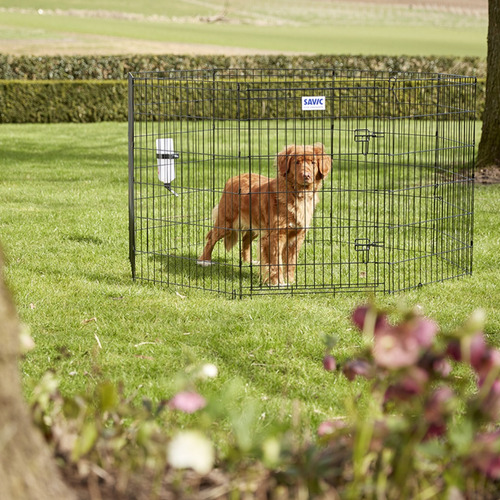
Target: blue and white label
[[313, 103]]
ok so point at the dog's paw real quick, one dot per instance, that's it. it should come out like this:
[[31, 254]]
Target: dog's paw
[[204, 263], [276, 283]]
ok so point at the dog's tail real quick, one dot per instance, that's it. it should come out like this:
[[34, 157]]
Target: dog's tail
[[215, 213], [230, 239]]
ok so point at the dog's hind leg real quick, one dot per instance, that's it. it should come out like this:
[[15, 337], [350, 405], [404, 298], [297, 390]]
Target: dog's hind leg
[[246, 246], [213, 236], [222, 229]]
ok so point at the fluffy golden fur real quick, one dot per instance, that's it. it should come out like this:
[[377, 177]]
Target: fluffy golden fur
[[277, 210]]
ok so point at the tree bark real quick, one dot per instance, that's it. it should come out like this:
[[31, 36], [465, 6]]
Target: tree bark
[[27, 469], [489, 146]]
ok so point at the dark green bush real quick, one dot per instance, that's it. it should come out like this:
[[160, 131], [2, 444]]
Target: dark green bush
[[62, 101], [95, 101], [90, 88], [117, 67]]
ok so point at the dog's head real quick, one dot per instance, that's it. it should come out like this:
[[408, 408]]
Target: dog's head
[[304, 165]]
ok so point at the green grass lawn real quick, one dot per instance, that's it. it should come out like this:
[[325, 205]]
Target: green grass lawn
[[64, 229], [321, 27]]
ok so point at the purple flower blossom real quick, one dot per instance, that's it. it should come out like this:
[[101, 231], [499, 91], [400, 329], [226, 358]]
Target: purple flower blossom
[[392, 349], [356, 367], [435, 363], [490, 403], [475, 349], [330, 426], [489, 362], [329, 363], [359, 316], [411, 384], [470, 349], [423, 330], [435, 430], [187, 401], [441, 367], [453, 350], [400, 346], [436, 407], [486, 457]]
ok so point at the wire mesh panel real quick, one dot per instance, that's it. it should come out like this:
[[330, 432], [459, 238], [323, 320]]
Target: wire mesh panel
[[253, 182]]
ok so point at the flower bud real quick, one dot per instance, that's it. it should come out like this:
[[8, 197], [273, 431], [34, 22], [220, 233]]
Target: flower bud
[[366, 313], [329, 363], [356, 367], [436, 407], [188, 402], [209, 370], [329, 427]]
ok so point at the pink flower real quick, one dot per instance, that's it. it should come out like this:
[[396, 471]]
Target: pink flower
[[359, 316], [489, 361], [188, 402], [423, 330], [393, 349], [470, 349], [435, 430], [486, 457], [474, 350], [436, 407], [412, 384], [453, 350], [356, 367], [400, 346], [329, 427], [490, 404], [442, 367], [329, 363], [435, 363]]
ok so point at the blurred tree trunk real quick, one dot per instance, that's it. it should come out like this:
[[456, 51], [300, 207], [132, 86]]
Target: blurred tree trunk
[[489, 146], [27, 469]]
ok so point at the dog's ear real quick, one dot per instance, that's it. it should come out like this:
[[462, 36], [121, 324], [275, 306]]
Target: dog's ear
[[324, 160], [285, 158]]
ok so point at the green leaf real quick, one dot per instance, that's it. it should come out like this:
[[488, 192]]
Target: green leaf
[[85, 441], [462, 436], [108, 396]]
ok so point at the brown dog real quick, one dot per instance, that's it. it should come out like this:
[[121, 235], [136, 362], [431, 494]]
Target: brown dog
[[278, 211]]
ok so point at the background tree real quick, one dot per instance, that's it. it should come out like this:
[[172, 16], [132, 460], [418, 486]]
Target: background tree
[[489, 146], [27, 469]]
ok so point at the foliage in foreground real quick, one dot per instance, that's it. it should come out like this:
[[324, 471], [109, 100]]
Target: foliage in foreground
[[430, 430]]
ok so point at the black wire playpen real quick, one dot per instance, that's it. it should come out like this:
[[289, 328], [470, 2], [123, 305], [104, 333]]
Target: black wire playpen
[[313, 181]]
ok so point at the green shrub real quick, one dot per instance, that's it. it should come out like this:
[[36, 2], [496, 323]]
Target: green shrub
[[53, 89], [62, 101], [83, 101], [117, 67]]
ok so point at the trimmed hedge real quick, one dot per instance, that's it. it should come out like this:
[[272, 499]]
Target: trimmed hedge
[[117, 67], [90, 88], [233, 98], [95, 101], [63, 101]]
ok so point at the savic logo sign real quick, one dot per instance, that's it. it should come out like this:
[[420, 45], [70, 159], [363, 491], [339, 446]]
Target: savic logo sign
[[312, 103]]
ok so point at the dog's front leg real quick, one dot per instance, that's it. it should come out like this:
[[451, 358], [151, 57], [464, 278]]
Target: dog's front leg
[[291, 254], [272, 268]]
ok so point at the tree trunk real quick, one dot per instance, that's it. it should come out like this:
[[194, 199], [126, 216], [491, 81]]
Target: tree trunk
[[27, 469], [489, 146]]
